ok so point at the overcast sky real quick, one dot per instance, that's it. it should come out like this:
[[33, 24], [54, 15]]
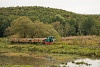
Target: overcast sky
[[77, 6]]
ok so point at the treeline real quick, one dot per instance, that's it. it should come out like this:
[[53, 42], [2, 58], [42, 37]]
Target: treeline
[[23, 27], [64, 22]]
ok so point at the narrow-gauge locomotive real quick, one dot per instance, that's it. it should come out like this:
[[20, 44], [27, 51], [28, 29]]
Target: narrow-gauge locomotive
[[48, 40]]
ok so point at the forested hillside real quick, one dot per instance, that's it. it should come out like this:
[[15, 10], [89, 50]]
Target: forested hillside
[[64, 22]]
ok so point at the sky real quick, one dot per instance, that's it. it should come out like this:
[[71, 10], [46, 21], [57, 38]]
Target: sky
[[77, 6]]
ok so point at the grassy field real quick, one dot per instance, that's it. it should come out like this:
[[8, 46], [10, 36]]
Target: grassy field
[[36, 55]]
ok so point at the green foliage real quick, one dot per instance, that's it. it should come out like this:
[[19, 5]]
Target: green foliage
[[59, 18], [89, 25], [20, 26], [25, 28], [70, 23], [44, 30], [30, 55], [84, 47]]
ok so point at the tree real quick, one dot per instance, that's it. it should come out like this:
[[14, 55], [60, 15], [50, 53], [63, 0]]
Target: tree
[[59, 18], [25, 28], [8, 31], [87, 25], [43, 30], [58, 27], [67, 29], [20, 26], [78, 23], [95, 29]]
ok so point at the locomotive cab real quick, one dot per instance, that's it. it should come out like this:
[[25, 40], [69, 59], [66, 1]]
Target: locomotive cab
[[49, 40]]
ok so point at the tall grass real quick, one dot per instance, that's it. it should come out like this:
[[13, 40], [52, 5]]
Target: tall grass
[[82, 40], [84, 46], [25, 53], [58, 49]]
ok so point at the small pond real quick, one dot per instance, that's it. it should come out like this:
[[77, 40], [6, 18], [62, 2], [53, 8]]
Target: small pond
[[82, 63]]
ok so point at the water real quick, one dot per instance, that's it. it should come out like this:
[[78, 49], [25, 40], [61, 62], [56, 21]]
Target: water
[[82, 63]]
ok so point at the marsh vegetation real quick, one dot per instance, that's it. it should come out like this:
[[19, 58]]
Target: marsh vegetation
[[39, 55]]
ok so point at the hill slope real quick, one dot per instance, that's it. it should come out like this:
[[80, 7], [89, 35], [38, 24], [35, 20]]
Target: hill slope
[[49, 15]]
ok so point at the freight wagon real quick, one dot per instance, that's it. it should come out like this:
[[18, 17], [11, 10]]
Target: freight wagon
[[48, 40]]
